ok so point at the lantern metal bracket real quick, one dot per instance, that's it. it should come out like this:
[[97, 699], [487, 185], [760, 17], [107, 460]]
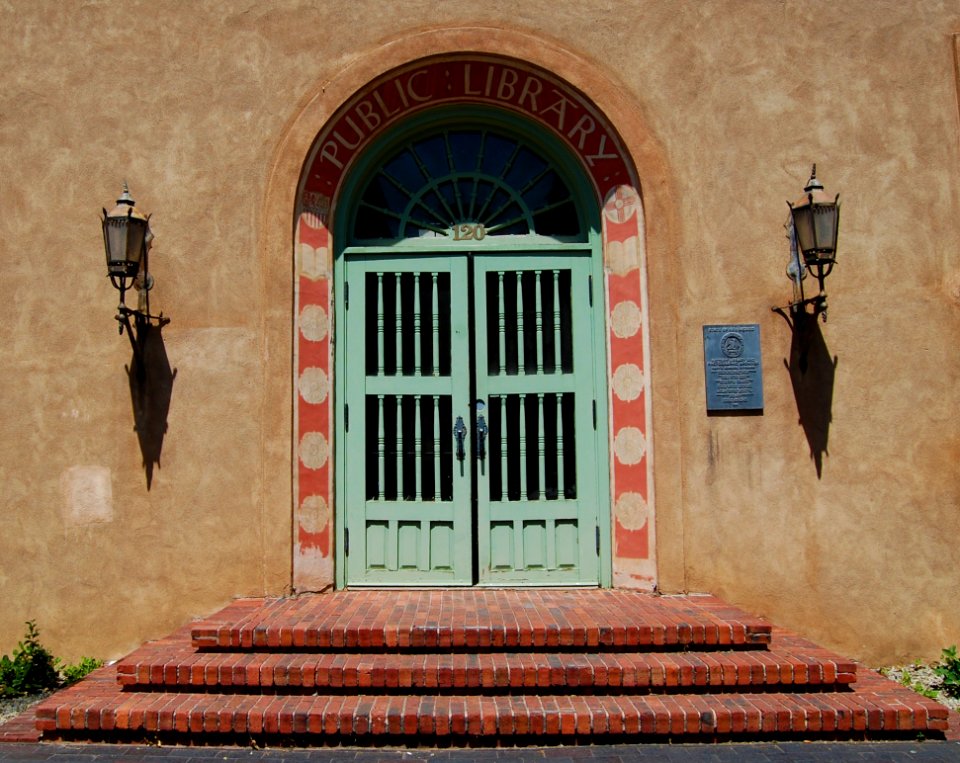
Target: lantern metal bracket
[[138, 323], [137, 329], [815, 306]]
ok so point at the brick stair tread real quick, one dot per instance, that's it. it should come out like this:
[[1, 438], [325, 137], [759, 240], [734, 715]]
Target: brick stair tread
[[883, 707], [168, 666], [20, 728], [474, 618]]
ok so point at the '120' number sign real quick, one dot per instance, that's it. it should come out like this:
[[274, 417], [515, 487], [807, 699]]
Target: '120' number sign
[[469, 232]]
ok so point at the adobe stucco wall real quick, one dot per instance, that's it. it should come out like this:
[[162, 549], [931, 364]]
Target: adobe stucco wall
[[198, 109]]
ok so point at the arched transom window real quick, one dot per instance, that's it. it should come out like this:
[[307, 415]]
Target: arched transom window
[[474, 181]]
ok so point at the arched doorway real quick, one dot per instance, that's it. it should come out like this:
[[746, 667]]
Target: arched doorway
[[470, 359], [562, 125]]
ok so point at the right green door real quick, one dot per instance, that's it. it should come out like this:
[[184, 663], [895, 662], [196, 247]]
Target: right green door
[[473, 454], [536, 472]]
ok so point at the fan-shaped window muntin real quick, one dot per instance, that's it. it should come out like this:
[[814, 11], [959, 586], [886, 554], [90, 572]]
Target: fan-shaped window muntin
[[479, 180]]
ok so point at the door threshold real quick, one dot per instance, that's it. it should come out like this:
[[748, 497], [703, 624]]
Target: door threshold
[[553, 586], [468, 587]]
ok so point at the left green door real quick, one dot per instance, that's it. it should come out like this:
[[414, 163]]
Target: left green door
[[407, 366]]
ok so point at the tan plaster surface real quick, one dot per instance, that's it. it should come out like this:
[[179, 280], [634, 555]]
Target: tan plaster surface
[[209, 114]]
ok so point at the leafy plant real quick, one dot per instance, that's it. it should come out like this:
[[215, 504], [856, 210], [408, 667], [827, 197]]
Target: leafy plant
[[923, 691], [31, 670], [907, 680], [73, 673], [949, 671]]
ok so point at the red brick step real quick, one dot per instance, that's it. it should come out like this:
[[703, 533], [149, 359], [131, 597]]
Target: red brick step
[[252, 671], [481, 619], [347, 716]]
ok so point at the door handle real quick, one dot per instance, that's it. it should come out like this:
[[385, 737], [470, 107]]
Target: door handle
[[460, 433], [482, 431]]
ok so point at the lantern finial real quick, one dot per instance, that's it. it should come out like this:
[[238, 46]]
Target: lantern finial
[[125, 197], [813, 184]]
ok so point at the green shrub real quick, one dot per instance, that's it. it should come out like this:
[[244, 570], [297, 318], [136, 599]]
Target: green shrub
[[31, 670], [34, 670], [949, 671]]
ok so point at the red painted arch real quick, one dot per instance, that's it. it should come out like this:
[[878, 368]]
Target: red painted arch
[[544, 98]]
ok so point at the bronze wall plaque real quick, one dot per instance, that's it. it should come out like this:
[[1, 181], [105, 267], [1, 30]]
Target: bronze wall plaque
[[732, 367]]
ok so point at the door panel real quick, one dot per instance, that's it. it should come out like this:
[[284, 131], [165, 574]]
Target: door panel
[[407, 494], [536, 507]]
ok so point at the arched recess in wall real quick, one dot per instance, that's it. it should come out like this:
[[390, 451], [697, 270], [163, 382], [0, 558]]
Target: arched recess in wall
[[369, 101]]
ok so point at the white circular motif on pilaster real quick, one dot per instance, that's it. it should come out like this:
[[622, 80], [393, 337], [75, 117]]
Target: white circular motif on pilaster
[[628, 382], [632, 511], [314, 450], [622, 205], [629, 445], [625, 319], [314, 385], [314, 514], [314, 323]]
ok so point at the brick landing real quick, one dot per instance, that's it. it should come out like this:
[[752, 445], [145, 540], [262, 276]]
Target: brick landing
[[464, 667]]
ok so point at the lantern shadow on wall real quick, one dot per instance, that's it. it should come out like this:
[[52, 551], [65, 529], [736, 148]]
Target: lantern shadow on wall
[[151, 387], [127, 240], [812, 231], [812, 373]]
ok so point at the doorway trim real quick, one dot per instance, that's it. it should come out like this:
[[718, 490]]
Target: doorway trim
[[610, 103]]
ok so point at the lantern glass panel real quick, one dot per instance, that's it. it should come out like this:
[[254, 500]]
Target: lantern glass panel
[[124, 238], [803, 225], [825, 228]]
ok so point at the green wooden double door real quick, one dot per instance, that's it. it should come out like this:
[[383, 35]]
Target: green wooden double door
[[470, 431]]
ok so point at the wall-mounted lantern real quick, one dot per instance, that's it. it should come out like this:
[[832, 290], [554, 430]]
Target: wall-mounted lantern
[[814, 223], [127, 240]]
